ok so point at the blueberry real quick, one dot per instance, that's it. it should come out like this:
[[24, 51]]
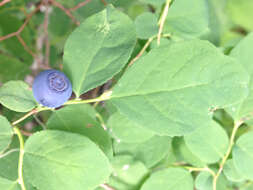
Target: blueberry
[[52, 88]]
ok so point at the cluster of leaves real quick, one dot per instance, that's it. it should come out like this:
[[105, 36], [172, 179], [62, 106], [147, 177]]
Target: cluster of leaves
[[177, 115]]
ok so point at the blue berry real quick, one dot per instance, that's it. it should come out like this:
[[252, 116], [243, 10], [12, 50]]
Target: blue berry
[[52, 88]]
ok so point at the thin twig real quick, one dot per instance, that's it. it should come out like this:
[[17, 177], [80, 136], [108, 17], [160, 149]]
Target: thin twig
[[67, 11], [28, 18], [79, 5], [224, 159], [20, 39], [24, 117], [40, 122], [162, 21], [142, 51], [2, 3], [106, 187]]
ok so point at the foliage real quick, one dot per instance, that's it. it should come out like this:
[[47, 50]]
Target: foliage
[[162, 95]]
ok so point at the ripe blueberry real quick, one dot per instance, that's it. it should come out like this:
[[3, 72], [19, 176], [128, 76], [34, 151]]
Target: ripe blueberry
[[52, 88]]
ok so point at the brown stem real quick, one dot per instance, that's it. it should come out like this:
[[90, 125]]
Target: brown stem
[[79, 5], [67, 11], [2, 3], [20, 39], [28, 18]]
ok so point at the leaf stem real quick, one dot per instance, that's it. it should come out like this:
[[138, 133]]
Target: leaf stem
[[207, 169], [9, 152], [162, 20], [103, 97], [224, 159], [142, 50], [34, 111], [21, 156]]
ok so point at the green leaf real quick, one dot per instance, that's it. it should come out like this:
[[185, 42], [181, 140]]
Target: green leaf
[[128, 173], [172, 178], [209, 143], [243, 155], [242, 52], [81, 119], [59, 160], [6, 133], [231, 173], [183, 154], [241, 12], [12, 69], [149, 152], [187, 18], [173, 89], [17, 96], [146, 25], [127, 131], [6, 184], [204, 181], [9, 162], [98, 49]]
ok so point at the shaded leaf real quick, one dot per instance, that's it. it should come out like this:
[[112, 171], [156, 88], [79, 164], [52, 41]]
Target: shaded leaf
[[149, 152], [6, 133], [81, 119], [127, 173], [12, 69]]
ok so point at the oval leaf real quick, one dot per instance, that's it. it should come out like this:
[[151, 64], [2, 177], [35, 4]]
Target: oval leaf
[[209, 143], [172, 178], [243, 155], [173, 89], [6, 133], [231, 172], [16, 96], [149, 152], [59, 160], [98, 49]]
